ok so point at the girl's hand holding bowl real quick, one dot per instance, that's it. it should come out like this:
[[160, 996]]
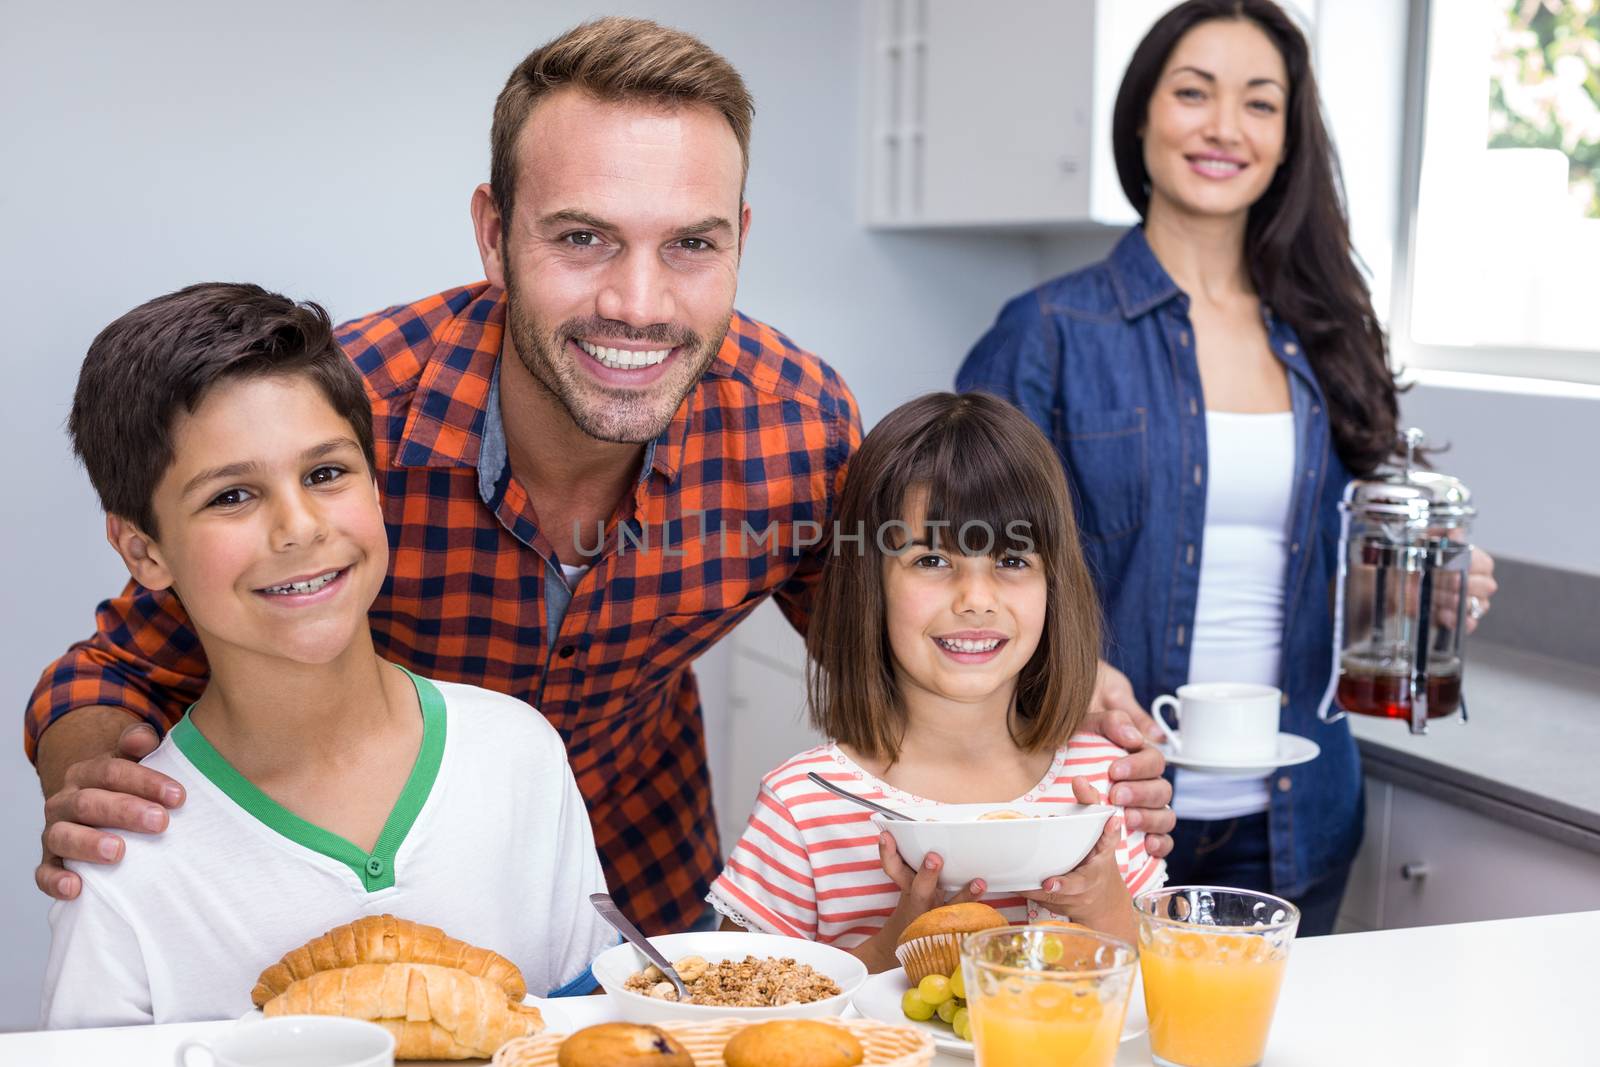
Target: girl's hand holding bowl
[[1093, 893], [919, 893]]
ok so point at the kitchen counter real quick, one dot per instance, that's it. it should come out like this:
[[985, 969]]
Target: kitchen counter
[[1509, 991], [1530, 754]]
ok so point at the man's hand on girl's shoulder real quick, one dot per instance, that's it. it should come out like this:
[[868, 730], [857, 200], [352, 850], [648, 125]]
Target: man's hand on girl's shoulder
[[1137, 784], [1145, 797]]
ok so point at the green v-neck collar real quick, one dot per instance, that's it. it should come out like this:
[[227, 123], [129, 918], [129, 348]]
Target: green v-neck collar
[[374, 869]]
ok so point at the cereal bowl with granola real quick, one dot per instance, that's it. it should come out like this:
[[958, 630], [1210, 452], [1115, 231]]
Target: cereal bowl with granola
[[731, 974]]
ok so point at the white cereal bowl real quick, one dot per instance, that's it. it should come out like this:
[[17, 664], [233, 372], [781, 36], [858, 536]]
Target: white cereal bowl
[[613, 967], [1010, 855]]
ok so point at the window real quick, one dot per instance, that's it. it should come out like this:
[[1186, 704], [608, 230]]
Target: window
[[1504, 266]]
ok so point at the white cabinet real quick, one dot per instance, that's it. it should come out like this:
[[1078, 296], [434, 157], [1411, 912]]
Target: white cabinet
[[1427, 861], [1447, 864], [995, 113], [1362, 908]]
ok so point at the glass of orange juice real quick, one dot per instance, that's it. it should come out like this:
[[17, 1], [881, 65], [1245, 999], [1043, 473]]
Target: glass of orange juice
[[1046, 996], [1212, 960]]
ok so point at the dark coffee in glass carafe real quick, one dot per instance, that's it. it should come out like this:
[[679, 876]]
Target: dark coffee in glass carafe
[[1401, 606], [1366, 688]]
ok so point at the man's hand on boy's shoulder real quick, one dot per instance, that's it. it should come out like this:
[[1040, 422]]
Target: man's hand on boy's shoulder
[[88, 763]]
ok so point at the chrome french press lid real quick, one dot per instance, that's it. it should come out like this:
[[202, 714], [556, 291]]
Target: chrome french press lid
[[1416, 498]]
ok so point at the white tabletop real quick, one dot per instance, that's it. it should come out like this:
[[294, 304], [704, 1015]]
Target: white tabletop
[[1513, 991]]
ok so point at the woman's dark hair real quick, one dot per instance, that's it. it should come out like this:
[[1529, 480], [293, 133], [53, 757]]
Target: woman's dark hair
[[1297, 238], [976, 467]]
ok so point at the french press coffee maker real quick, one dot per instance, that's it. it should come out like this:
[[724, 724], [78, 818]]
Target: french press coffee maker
[[1401, 603]]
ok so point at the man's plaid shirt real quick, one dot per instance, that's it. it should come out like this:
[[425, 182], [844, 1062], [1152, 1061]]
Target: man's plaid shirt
[[753, 457]]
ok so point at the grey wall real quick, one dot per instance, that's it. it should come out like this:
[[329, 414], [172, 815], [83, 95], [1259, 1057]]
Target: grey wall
[[328, 150], [1528, 456]]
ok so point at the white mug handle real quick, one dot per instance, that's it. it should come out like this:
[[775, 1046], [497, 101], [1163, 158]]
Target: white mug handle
[[181, 1056], [1167, 701]]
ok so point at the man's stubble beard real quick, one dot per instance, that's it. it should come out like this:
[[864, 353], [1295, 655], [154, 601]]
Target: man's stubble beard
[[618, 416]]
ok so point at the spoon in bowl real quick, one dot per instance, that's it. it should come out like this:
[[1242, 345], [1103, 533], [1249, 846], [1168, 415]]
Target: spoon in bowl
[[612, 914], [888, 813]]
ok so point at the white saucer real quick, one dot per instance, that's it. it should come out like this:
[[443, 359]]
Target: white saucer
[[556, 1019], [1292, 750], [879, 998]]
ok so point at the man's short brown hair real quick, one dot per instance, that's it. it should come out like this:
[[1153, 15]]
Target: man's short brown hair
[[971, 462], [162, 357], [615, 58]]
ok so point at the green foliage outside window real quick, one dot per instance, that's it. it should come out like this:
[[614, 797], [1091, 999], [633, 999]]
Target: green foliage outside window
[[1544, 86]]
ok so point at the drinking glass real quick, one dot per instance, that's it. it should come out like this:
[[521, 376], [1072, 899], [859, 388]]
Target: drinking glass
[[1046, 996], [1213, 960]]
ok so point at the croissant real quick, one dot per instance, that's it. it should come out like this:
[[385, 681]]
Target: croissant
[[386, 939], [434, 1013]]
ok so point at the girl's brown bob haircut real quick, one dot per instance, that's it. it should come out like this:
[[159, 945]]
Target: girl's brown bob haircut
[[989, 483]]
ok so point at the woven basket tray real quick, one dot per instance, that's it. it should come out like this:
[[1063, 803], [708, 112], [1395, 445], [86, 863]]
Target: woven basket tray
[[885, 1044]]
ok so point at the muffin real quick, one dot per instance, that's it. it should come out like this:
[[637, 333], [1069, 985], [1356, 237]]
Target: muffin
[[622, 1045], [793, 1043], [931, 943]]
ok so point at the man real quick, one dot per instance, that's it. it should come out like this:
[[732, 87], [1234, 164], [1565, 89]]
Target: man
[[593, 467]]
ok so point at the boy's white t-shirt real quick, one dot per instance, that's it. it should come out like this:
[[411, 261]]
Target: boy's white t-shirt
[[807, 864], [500, 854]]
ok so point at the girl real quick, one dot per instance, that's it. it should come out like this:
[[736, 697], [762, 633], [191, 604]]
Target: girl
[[1210, 387], [952, 657]]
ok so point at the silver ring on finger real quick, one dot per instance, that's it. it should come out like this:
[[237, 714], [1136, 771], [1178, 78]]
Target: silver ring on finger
[[1476, 608]]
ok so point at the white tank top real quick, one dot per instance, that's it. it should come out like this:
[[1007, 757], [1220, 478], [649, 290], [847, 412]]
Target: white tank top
[[1238, 617]]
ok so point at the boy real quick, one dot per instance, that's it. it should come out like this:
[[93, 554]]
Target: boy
[[231, 444]]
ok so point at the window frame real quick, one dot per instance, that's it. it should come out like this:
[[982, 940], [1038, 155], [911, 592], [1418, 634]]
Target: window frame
[[1574, 366]]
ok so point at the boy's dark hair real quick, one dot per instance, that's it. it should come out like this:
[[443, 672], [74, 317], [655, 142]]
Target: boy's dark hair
[[164, 355]]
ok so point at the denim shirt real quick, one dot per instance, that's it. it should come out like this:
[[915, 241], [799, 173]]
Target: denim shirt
[[1103, 361]]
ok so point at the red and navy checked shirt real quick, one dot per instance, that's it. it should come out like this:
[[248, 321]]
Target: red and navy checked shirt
[[729, 510]]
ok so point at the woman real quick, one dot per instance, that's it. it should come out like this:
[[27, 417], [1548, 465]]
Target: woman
[[1211, 387]]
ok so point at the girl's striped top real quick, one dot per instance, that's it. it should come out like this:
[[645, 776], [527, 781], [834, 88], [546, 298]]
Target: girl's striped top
[[807, 863]]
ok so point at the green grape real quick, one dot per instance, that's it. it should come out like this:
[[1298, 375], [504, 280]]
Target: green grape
[[948, 1009], [958, 984], [915, 1007], [961, 1023], [935, 989]]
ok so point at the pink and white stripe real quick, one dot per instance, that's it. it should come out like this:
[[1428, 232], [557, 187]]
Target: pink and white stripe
[[807, 863]]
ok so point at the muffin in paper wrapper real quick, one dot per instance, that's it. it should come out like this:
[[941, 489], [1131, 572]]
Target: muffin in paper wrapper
[[931, 954]]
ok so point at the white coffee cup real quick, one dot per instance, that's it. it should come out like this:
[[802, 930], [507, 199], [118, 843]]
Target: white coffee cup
[[1222, 721], [301, 1040]]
